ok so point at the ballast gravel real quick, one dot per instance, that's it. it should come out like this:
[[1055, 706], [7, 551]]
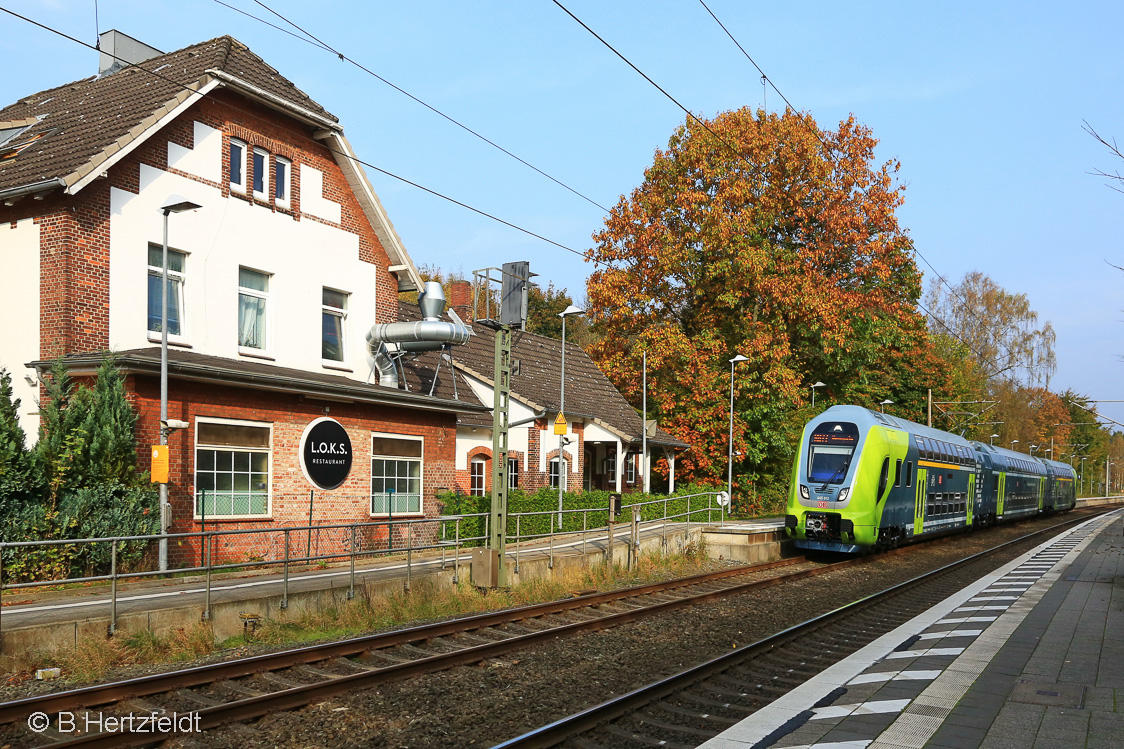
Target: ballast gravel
[[483, 705]]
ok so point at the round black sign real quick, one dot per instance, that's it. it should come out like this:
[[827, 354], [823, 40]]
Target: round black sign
[[325, 453]]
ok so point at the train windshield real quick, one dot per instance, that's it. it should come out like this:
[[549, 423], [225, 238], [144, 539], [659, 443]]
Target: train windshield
[[832, 445]]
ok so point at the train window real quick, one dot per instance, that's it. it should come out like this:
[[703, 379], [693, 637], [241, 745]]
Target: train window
[[898, 474], [909, 473]]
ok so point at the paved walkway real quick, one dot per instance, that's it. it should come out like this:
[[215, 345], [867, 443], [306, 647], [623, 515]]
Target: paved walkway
[[1029, 657]]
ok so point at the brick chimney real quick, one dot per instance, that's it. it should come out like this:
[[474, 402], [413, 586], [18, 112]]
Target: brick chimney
[[460, 299]]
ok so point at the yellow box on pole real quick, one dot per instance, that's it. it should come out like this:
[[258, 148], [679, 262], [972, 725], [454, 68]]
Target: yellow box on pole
[[159, 464], [560, 424]]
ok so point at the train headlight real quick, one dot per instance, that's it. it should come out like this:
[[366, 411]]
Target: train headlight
[[843, 493], [804, 492]]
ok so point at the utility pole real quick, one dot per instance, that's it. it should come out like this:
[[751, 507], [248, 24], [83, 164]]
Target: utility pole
[[513, 312], [644, 431]]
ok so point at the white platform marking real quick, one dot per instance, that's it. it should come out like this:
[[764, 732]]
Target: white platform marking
[[861, 708]]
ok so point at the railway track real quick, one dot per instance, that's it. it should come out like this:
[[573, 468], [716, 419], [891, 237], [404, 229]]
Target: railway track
[[249, 688], [246, 689], [684, 710]]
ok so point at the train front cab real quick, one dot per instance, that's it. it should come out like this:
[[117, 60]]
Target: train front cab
[[850, 474]]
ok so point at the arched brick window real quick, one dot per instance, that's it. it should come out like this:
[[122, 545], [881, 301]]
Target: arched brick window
[[478, 477]]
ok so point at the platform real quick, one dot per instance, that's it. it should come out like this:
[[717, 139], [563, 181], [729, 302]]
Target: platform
[[1029, 657], [44, 620]]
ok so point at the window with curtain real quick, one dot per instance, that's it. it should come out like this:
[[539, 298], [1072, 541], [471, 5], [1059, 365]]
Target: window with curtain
[[176, 262], [253, 305], [333, 315]]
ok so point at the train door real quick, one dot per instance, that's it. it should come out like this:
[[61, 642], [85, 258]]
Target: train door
[[919, 501], [972, 498], [1002, 492]]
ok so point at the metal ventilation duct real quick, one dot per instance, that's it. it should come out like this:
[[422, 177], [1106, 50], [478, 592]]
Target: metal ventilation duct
[[430, 334]]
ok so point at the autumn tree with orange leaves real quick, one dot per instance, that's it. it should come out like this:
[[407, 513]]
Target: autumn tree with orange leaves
[[760, 234]]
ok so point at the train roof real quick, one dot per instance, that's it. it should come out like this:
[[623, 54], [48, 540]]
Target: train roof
[[1000, 456], [865, 417]]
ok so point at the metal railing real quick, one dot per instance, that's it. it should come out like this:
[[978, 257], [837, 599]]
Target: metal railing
[[349, 542]]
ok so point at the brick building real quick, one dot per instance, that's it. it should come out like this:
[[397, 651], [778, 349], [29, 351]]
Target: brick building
[[274, 282]]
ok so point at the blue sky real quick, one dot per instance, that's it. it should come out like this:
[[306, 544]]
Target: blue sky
[[981, 102]]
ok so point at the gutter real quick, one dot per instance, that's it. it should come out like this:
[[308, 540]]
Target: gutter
[[272, 382], [33, 188], [276, 100]]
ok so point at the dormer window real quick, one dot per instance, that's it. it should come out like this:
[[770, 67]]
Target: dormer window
[[237, 165]]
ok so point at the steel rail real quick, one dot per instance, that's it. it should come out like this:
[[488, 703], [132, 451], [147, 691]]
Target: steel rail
[[288, 699], [586, 720], [11, 712]]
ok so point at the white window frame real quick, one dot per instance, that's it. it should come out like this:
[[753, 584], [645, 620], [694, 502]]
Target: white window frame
[[421, 474], [195, 466], [480, 490], [630, 468], [239, 186], [554, 470], [287, 183], [178, 276], [262, 194], [250, 350], [326, 309], [512, 472]]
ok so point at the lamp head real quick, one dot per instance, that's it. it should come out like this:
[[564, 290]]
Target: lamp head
[[571, 310], [178, 204], [820, 385], [739, 358]]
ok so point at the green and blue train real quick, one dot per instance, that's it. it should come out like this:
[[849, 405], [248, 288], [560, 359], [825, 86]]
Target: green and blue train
[[866, 480]]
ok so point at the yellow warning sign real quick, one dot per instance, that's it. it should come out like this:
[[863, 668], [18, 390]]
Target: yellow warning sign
[[560, 424], [159, 464]]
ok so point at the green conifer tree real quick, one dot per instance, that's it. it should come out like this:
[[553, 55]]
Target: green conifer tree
[[17, 479], [109, 428]]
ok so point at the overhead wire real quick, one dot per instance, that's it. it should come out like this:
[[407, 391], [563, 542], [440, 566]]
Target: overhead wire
[[315, 41], [324, 145], [756, 168], [816, 132]]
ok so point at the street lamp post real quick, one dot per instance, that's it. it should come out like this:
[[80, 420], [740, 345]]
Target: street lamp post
[[817, 385], [993, 439], [885, 403], [1032, 449], [730, 459], [174, 204], [562, 470], [1013, 443], [1082, 473]]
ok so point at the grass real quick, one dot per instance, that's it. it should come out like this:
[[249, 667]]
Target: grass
[[94, 658]]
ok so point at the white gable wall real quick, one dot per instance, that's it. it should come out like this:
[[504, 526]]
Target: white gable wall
[[19, 313], [301, 257]]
